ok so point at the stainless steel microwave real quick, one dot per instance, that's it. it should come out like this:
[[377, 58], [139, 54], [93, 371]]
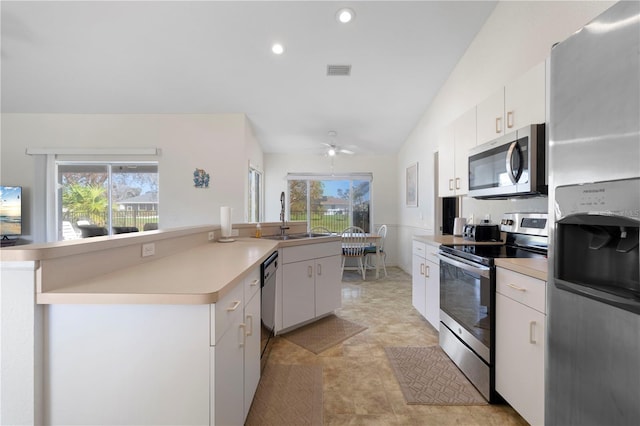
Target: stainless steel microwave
[[513, 165]]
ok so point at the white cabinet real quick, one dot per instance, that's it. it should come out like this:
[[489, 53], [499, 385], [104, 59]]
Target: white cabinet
[[520, 343], [518, 104], [432, 275], [455, 142], [328, 288], [298, 293], [252, 315], [311, 282], [425, 294], [419, 283], [235, 356]]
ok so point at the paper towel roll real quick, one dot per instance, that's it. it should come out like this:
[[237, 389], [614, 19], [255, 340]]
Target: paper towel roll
[[225, 221], [458, 226]]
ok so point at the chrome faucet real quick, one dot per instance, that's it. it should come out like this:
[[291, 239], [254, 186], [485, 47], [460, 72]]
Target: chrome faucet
[[283, 227]]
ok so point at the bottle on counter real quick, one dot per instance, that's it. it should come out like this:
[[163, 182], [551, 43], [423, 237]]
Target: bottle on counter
[[258, 231]]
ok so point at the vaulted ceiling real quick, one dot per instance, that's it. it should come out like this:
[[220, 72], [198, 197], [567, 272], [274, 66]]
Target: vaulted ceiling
[[215, 57]]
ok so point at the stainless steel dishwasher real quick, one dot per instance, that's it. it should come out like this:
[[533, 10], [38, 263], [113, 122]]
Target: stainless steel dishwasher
[[268, 304]]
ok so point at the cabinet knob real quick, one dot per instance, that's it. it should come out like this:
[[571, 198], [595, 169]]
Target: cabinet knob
[[498, 124]]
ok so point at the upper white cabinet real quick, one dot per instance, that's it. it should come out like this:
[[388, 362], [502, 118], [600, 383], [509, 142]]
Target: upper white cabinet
[[455, 142], [518, 104]]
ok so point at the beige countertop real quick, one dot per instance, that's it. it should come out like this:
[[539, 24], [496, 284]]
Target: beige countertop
[[450, 240], [185, 269], [199, 275], [536, 268]]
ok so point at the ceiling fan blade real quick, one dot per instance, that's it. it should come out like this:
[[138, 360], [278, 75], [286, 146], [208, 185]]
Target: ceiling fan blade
[[346, 151]]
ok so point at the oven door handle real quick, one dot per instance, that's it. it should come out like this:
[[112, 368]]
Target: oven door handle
[[476, 269]]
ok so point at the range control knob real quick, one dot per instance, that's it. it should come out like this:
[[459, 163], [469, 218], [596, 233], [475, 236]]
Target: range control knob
[[509, 222]]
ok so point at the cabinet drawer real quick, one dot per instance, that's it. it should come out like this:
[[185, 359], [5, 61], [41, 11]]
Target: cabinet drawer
[[226, 311], [311, 251], [432, 254], [419, 248], [522, 288], [251, 284]]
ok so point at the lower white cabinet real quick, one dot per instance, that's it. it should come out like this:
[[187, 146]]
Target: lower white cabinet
[[153, 364], [311, 282], [425, 294], [235, 358], [251, 351], [520, 343]]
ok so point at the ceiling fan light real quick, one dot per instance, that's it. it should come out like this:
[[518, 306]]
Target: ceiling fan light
[[331, 152], [345, 15], [277, 48]]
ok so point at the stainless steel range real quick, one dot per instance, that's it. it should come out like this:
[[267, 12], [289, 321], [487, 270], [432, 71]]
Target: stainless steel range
[[467, 294]]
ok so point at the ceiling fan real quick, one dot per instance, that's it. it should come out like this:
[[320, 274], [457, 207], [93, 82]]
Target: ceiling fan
[[333, 149]]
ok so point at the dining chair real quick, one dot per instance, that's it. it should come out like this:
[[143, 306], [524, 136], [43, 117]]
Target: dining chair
[[371, 251], [354, 242]]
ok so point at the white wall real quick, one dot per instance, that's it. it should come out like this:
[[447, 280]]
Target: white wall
[[517, 36], [222, 144], [383, 196]]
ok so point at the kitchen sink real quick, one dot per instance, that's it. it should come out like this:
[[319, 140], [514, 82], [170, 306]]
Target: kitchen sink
[[295, 236]]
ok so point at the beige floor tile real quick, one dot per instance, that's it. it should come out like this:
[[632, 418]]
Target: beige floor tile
[[359, 387]]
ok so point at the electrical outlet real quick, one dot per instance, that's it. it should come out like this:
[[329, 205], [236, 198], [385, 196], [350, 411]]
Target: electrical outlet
[[212, 236], [234, 232], [148, 249]]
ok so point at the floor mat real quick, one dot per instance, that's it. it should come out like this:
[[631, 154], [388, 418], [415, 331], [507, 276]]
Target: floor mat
[[427, 376], [288, 395], [323, 333]]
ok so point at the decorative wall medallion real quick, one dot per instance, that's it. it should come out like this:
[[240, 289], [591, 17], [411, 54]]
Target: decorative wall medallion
[[200, 178]]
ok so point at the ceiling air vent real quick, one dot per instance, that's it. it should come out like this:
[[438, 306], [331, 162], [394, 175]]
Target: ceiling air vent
[[335, 70]]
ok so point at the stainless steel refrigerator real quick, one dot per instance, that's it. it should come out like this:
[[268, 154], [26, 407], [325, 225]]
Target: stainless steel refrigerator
[[593, 343]]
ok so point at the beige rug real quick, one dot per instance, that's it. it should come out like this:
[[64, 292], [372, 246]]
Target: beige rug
[[288, 395], [427, 376], [324, 333]]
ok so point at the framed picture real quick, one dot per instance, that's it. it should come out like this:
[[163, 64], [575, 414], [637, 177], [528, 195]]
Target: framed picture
[[412, 185]]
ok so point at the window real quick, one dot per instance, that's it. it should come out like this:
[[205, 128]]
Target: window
[[334, 202], [105, 195], [255, 196]]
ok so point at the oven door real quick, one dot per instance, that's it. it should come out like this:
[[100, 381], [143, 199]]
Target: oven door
[[466, 296]]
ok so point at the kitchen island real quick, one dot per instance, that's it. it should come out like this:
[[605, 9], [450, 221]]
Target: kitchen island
[[100, 333]]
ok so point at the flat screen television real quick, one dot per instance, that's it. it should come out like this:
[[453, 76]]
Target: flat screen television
[[10, 211]]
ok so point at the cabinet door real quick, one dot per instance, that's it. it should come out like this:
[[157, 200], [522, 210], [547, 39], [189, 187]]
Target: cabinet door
[[418, 291], [524, 99], [520, 345], [446, 167], [432, 290], [227, 380], [490, 114], [465, 139], [251, 351], [298, 293], [328, 288]]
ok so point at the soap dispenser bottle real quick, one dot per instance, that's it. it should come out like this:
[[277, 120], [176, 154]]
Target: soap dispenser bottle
[[258, 231]]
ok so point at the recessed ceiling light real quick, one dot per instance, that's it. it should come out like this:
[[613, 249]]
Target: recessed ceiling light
[[345, 15], [277, 48]]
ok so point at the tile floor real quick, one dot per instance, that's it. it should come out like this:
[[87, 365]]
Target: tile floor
[[359, 386]]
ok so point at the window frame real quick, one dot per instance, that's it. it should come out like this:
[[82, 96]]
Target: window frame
[[351, 177]]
